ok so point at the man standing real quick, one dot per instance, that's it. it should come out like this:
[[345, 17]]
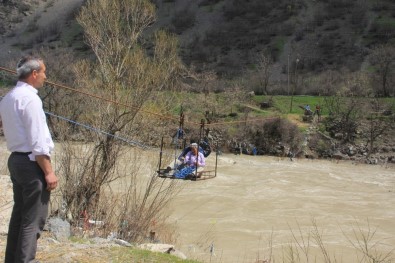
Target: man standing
[[30, 143]]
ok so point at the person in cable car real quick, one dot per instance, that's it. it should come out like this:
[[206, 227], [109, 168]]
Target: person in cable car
[[194, 160]]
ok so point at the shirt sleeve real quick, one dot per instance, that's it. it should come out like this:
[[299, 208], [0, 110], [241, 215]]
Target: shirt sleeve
[[202, 161], [187, 158], [34, 120]]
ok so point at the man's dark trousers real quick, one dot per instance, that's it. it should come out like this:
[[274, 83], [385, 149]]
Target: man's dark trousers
[[30, 208]]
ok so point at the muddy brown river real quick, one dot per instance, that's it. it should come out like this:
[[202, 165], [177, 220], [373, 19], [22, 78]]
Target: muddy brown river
[[261, 208], [265, 208]]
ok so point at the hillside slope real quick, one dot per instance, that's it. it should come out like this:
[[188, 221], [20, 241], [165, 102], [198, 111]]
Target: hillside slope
[[226, 36], [30, 25]]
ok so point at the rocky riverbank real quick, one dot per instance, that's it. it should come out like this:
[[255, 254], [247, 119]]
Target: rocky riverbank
[[317, 145]]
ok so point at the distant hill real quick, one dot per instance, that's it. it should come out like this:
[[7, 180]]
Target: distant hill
[[226, 36]]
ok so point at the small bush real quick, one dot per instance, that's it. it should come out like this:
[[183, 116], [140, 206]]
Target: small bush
[[23, 7], [16, 19], [359, 16], [278, 136], [32, 27], [52, 32], [299, 35], [287, 28], [321, 146], [183, 19], [49, 4], [2, 29], [383, 28]]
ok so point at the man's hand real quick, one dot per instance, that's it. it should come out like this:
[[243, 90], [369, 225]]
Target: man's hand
[[52, 181], [45, 163]]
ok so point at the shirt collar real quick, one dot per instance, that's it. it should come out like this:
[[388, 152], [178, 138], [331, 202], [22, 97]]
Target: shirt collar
[[25, 85]]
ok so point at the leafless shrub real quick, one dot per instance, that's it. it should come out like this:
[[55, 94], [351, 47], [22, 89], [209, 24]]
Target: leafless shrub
[[49, 4], [130, 205], [124, 74], [51, 32], [308, 245], [58, 101], [345, 111], [322, 146], [16, 19], [277, 136], [364, 242], [32, 27], [22, 6], [383, 60], [377, 124]]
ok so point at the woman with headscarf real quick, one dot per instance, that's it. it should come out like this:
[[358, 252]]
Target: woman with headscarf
[[194, 160]]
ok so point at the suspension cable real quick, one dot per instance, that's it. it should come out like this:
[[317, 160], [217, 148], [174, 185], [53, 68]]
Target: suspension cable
[[98, 97], [144, 111]]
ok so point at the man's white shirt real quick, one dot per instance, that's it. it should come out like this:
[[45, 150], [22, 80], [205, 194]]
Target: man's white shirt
[[24, 122]]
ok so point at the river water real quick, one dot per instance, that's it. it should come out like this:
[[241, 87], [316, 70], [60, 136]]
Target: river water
[[260, 208]]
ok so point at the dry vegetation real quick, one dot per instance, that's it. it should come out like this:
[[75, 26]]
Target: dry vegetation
[[121, 72]]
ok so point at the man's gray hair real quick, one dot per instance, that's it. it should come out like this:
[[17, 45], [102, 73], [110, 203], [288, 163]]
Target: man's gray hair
[[27, 65]]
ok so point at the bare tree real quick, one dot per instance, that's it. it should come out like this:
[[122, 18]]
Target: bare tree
[[264, 71], [345, 111], [329, 82], [378, 124], [383, 59], [204, 79], [66, 103], [295, 85], [124, 73]]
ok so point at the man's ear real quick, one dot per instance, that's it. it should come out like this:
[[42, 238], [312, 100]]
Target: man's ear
[[34, 73]]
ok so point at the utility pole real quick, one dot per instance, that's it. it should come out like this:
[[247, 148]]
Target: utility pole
[[296, 83], [288, 75]]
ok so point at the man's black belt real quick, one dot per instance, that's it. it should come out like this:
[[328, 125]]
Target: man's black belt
[[21, 153]]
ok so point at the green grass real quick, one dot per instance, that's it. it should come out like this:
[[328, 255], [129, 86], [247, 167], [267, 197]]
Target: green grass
[[389, 101], [119, 255], [79, 240], [282, 104], [84, 250]]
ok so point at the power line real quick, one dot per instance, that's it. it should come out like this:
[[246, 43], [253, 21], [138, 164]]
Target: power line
[[98, 97], [123, 139], [144, 111], [131, 142]]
